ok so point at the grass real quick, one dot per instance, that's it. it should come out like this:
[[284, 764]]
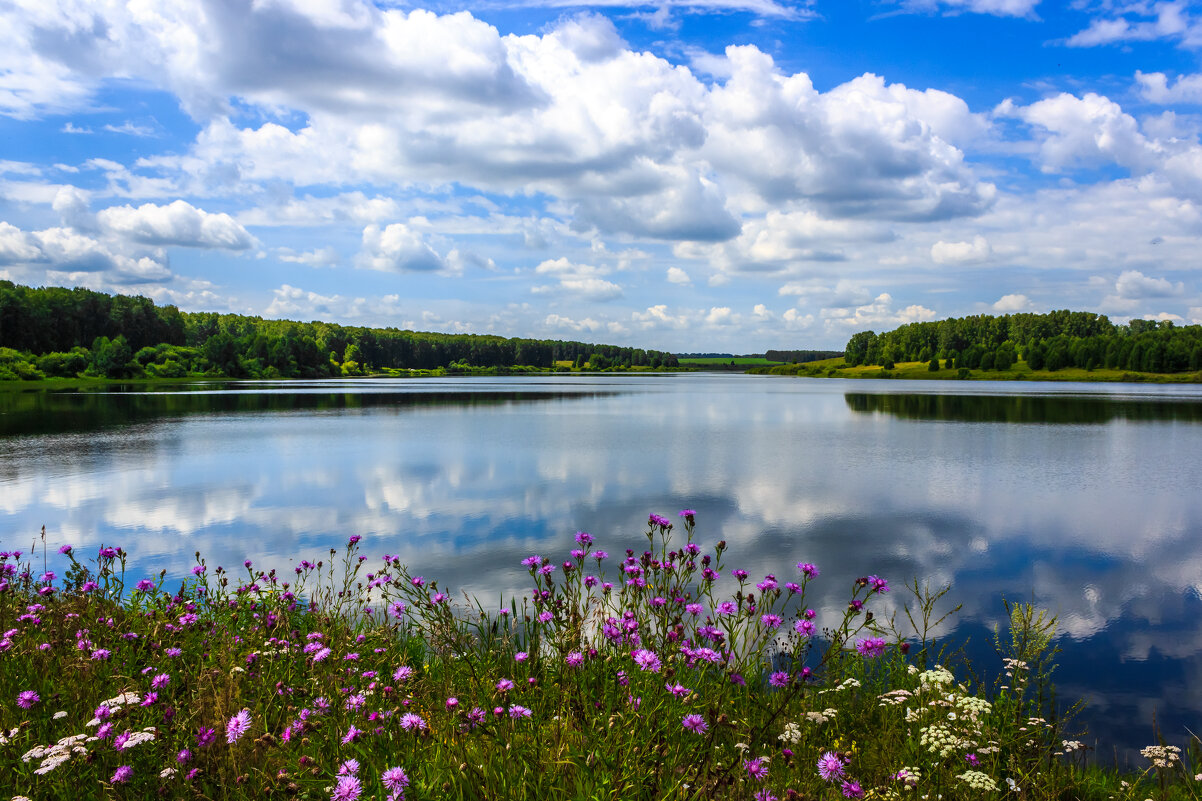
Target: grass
[[656, 675], [918, 371]]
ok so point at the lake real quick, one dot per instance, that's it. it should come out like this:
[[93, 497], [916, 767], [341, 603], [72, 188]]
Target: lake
[[1082, 498]]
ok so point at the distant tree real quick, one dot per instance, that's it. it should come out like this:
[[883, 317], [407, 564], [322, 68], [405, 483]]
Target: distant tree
[[934, 365]]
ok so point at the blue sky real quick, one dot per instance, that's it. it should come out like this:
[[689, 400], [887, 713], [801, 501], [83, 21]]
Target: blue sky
[[714, 175]]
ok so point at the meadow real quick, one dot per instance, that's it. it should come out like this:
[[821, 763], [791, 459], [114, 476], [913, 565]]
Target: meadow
[[665, 674]]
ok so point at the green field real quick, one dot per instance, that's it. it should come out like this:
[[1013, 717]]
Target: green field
[[918, 371]]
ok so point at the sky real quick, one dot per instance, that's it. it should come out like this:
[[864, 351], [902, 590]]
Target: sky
[[686, 175]]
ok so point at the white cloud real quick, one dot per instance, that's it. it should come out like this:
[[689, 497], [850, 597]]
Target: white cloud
[[877, 314], [398, 248], [178, 223], [321, 257], [579, 280], [678, 276], [1134, 285], [1000, 8], [1141, 22], [1154, 87], [1088, 131], [960, 252], [1009, 304], [720, 315]]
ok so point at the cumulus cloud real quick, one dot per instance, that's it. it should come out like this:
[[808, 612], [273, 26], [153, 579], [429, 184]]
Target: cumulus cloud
[[579, 280], [1155, 88], [1088, 131], [1134, 285], [397, 248], [960, 252], [321, 257], [1009, 304], [678, 276], [879, 313], [178, 223]]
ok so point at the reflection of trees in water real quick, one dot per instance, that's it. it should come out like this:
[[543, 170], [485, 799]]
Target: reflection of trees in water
[[48, 412], [1024, 408]]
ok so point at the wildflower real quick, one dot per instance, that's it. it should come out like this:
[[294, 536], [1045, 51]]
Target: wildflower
[[160, 681], [183, 756], [237, 726], [693, 609], [779, 679], [852, 789], [355, 702], [402, 673], [756, 769], [804, 627], [878, 584], [688, 515], [740, 574], [504, 685], [521, 656], [347, 789], [545, 617], [574, 659], [808, 570], [64, 549], [27, 699], [395, 781], [695, 724], [830, 766], [647, 660], [206, 737], [352, 734], [516, 712], [412, 722], [349, 768], [679, 690], [770, 621], [662, 522], [145, 585], [972, 759], [172, 652], [584, 538], [764, 795], [122, 774], [727, 608], [871, 647]]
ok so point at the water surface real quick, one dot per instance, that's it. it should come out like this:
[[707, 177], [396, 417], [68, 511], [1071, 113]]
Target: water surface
[[1081, 498]]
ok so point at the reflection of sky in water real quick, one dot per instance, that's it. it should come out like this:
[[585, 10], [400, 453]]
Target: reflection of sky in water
[[1097, 520]]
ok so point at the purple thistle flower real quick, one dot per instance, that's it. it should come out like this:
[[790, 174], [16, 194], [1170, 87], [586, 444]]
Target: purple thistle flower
[[504, 685], [727, 608], [779, 679], [412, 722], [808, 570], [64, 549], [349, 768], [347, 789], [521, 656], [395, 781], [695, 724], [740, 574], [878, 584], [973, 760], [763, 794], [516, 712], [687, 514], [756, 769], [121, 739], [122, 774], [183, 756], [27, 699], [871, 647], [656, 520], [648, 661], [352, 734], [237, 726], [770, 621], [402, 674], [574, 659], [353, 539], [584, 538], [804, 627], [693, 609], [160, 681], [852, 790], [145, 585], [199, 570], [830, 766]]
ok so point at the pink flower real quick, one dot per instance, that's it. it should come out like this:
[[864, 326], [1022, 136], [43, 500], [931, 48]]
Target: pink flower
[[237, 726]]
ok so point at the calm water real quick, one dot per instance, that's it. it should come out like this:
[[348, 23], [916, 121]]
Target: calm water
[[1082, 498]]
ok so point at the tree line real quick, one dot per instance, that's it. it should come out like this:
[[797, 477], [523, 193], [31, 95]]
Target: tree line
[[58, 332], [800, 356], [1049, 341]]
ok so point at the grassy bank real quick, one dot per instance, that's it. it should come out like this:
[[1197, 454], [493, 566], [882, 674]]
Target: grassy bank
[[1020, 371], [669, 673]]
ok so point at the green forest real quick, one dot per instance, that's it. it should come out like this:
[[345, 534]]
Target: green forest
[[53, 332], [1051, 341]]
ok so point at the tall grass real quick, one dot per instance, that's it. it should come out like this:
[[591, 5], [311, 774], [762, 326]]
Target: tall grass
[[659, 675]]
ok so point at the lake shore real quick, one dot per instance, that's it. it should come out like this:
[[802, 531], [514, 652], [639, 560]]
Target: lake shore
[[920, 371]]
